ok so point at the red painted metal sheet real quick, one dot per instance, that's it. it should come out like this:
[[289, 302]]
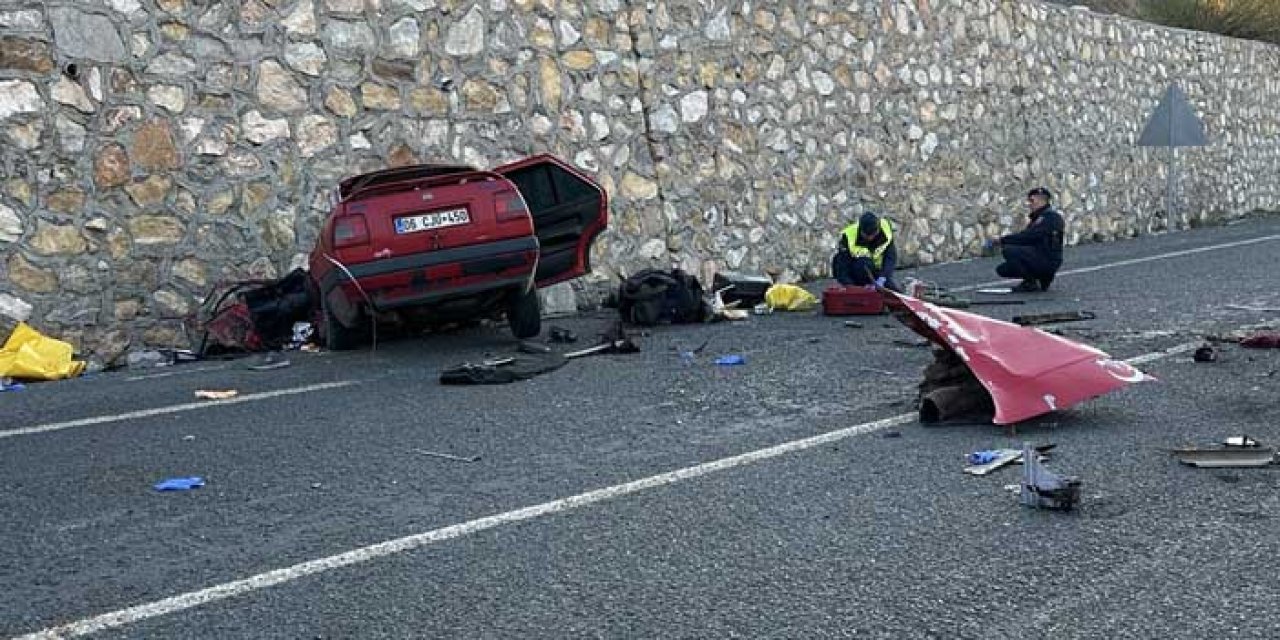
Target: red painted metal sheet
[[1029, 372]]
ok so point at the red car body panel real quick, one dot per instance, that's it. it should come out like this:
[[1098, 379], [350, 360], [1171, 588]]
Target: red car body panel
[[1027, 371]]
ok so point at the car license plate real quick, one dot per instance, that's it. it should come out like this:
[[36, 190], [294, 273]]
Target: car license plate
[[428, 221]]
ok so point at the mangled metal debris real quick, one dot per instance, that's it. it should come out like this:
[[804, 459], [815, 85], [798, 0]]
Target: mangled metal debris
[[1044, 489], [1023, 372], [1236, 452], [1053, 318]]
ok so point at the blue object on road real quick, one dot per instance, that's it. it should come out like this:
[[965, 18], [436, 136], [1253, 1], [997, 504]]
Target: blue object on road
[[11, 386], [180, 484], [727, 361], [982, 457]]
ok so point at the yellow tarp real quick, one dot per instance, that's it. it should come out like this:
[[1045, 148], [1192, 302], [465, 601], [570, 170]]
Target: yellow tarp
[[788, 297], [28, 355]]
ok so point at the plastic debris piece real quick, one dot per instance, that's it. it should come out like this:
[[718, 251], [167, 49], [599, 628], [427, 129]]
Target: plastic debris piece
[[731, 360], [9, 385], [180, 484], [271, 361], [1206, 353], [560, 335], [446, 456], [1262, 340], [982, 457], [217, 395], [1044, 489]]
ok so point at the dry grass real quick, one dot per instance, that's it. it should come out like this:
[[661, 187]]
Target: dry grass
[[1249, 19]]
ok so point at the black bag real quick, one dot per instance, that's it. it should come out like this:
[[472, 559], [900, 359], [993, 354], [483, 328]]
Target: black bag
[[652, 296]]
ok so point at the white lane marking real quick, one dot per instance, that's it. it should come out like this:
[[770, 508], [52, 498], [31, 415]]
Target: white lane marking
[[1133, 261], [177, 408], [193, 599], [184, 371]]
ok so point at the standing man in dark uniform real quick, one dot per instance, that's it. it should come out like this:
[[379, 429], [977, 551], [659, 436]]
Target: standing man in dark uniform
[[1035, 253], [866, 253]]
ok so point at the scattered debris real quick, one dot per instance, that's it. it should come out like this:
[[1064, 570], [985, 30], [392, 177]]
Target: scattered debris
[[217, 395], [503, 371], [915, 344], [446, 456], [953, 302], [1262, 340], [29, 355], [1050, 318], [722, 311], [536, 349], [1240, 307], [1206, 353], [251, 315], [996, 291], [1238, 451], [302, 334], [731, 360], [763, 309], [9, 385], [980, 463], [560, 335], [180, 484], [310, 348], [1044, 489], [271, 361], [747, 290], [512, 369]]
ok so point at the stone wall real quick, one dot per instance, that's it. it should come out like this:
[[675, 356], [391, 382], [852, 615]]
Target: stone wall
[[153, 147]]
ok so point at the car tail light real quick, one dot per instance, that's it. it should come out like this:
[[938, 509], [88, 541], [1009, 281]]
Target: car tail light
[[349, 231], [510, 206]]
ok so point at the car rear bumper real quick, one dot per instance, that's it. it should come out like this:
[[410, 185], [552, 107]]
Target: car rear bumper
[[434, 276]]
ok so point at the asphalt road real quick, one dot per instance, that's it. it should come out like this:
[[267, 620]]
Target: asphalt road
[[863, 536]]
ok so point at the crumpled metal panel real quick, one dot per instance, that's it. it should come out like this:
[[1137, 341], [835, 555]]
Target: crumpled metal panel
[[1027, 371]]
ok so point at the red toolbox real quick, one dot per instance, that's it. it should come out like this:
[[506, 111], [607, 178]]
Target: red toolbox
[[853, 300]]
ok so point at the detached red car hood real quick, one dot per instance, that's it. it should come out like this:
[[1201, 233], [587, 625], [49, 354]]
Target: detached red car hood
[[1027, 371]]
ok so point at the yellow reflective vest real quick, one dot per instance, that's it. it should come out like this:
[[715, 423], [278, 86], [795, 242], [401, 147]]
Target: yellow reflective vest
[[876, 254]]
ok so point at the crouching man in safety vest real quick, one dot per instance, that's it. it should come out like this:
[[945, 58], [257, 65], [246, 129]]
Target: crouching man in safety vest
[[866, 254]]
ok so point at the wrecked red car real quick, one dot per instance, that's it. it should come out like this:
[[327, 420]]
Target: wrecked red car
[[434, 244]]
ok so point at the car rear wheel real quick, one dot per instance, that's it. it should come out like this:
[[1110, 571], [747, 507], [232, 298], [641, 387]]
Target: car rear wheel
[[524, 314], [336, 336]]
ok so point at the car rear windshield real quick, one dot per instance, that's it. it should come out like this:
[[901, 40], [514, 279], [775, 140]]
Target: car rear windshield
[[370, 180]]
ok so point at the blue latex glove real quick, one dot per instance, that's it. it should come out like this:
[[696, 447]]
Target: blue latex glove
[[981, 457], [880, 281], [180, 484]]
